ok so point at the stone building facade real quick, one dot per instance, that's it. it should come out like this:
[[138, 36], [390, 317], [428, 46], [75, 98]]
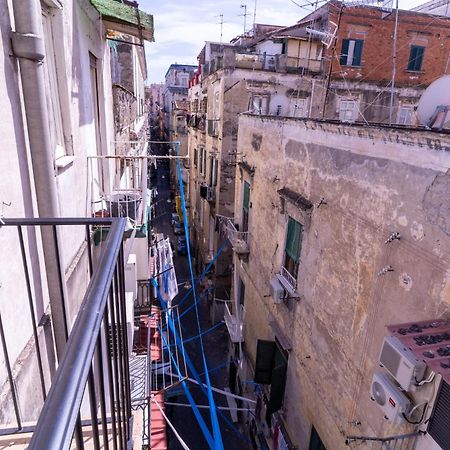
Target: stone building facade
[[321, 202]]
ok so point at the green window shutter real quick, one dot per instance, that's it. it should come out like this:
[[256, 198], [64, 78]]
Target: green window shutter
[[416, 58], [265, 353], [357, 52], [277, 388], [419, 57], [294, 239], [246, 201], [344, 52]]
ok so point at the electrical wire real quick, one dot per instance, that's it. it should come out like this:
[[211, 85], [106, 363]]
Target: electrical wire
[[218, 443]]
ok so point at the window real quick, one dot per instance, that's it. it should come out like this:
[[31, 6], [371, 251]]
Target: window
[[51, 86], [405, 115], [315, 443], [202, 162], [293, 247], [347, 110], [241, 292], [213, 171], [351, 52], [297, 107], [259, 104], [245, 206], [195, 157], [416, 58], [271, 368]]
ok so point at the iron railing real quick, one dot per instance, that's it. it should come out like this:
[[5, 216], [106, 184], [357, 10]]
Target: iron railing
[[143, 302], [88, 397], [238, 239], [288, 279], [235, 324]]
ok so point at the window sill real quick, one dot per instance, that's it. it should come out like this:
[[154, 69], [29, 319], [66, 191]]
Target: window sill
[[417, 72], [64, 161], [351, 67]]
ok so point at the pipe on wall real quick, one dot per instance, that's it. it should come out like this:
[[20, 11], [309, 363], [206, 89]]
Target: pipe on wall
[[29, 47]]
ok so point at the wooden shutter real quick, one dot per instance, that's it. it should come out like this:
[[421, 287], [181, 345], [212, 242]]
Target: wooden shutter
[[344, 52], [294, 239], [439, 428], [416, 58], [265, 353], [357, 52]]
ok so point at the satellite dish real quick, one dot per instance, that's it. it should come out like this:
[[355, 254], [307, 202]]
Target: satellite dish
[[434, 105]]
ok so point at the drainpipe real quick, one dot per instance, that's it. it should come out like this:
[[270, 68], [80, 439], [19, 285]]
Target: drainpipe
[[28, 46]]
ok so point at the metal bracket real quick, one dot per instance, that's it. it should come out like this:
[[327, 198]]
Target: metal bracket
[[28, 46]]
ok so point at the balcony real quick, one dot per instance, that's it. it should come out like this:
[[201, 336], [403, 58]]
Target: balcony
[[118, 188], [288, 281], [68, 377], [235, 324], [276, 63], [293, 64], [213, 127], [238, 239]]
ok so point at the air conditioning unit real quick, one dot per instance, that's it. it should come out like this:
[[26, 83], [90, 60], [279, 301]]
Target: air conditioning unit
[[388, 396], [276, 291], [401, 363]]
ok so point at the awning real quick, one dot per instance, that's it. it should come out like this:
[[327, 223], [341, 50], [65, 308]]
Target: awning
[[429, 340], [125, 19]]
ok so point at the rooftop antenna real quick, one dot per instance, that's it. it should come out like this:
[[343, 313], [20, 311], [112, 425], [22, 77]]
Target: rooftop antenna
[[254, 14], [221, 22], [394, 64], [245, 14]]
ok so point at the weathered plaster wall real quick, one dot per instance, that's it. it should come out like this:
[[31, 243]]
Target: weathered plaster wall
[[374, 181]]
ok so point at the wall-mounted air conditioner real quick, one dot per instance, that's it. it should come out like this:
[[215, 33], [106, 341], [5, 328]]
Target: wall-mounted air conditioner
[[401, 363], [388, 396], [276, 291]]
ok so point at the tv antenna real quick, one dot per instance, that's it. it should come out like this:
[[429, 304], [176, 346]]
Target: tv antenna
[[221, 22], [254, 14], [244, 14]]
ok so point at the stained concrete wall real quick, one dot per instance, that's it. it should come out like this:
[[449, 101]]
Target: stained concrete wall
[[373, 181], [78, 30]]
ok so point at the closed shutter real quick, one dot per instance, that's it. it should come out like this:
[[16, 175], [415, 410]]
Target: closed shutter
[[357, 52], [293, 239], [439, 427], [415, 58], [344, 52], [265, 352]]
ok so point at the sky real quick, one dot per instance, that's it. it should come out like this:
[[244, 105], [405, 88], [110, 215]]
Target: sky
[[182, 27]]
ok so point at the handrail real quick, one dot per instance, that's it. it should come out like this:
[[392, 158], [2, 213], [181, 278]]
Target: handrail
[[56, 423]]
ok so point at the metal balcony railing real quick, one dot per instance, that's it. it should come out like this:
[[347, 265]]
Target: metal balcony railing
[[143, 302], [235, 325], [118, 187], [86, 401], [287, 280], [238, 239]]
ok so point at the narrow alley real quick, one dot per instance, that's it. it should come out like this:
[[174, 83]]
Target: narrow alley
[[215, 342]]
